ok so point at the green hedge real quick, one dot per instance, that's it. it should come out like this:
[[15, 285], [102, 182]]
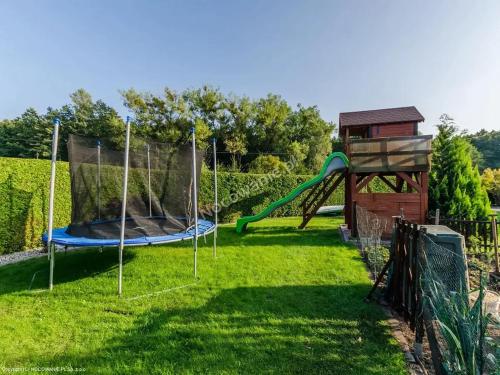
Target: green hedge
[[24, 201], [24, 186], [243, 194]]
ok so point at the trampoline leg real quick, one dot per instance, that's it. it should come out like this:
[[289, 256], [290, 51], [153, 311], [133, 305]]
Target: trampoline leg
[[215, 244], [195, 256], [55, 137], [52, 264], [195, 201], [149, 181], [216, 202], [124, 207], [120, 269], [99, 180]]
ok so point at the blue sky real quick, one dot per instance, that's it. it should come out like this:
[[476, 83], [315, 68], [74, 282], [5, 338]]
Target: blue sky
[[441, 56]]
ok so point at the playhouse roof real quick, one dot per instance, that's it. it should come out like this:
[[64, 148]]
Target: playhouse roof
[[380, 116]]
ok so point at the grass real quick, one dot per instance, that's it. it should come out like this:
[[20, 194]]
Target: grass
[[275, 300]]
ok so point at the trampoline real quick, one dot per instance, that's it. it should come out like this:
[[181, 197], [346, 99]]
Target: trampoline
[[129, 192], [62, 238]]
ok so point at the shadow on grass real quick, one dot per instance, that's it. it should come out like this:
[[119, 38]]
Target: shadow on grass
[[286, 329], [70, 266]]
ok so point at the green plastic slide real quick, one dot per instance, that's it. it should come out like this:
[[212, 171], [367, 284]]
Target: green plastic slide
[[334, 162]]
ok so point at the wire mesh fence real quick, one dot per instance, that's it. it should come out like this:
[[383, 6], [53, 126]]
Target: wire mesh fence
[[481, 239], [463, 330], [429, 284], [371, 229]]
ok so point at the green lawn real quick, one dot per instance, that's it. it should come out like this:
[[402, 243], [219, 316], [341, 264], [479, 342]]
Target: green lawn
[[276, 300]]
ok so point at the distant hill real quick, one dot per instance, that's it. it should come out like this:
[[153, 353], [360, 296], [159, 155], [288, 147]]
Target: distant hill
[[488, 144]]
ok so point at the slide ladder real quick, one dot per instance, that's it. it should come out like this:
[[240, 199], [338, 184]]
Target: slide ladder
[[318, 196], [331, 174]]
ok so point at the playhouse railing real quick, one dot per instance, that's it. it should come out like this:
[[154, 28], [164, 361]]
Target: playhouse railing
[[390, 154]]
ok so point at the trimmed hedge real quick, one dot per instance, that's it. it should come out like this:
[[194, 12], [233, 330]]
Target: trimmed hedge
[[242, 194], [24, 186], [24, 201]]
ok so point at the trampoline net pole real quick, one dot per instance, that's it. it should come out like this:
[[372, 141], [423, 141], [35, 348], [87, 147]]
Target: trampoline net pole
[[50, 247], [216, 203], [98, 180], [195, 203], [124, 207], [148, 147]]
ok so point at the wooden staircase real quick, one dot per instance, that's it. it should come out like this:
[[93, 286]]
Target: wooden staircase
[[318, 195]]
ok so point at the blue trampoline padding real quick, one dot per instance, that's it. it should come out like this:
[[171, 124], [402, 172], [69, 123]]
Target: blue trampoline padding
[[60, 237]]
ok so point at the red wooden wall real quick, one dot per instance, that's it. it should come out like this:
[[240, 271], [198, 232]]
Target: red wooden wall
[[393, 130], [390, 204], [413, 202]]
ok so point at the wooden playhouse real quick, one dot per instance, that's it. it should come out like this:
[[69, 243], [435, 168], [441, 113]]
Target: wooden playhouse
[[385, 144]]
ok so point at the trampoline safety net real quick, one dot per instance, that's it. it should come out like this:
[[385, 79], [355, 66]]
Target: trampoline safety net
[[159, 193]]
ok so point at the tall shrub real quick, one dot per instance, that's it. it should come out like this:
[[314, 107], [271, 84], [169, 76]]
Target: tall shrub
[[455, 183], [491, 182]]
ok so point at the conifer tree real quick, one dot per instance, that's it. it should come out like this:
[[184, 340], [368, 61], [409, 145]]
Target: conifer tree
[[455, 183]]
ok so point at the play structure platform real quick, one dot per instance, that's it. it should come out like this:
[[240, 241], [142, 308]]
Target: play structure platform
[[381, 145], [321, 187]]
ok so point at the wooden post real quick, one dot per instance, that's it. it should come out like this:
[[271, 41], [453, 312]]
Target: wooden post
[[405, 297], [354, 220], [436, 356], [424, 196], [350, 188], [409, 188], [419, 314], [347, 200], [397, 269], [412, 290], [495, 240]]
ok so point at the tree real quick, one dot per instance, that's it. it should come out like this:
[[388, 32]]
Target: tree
[[455, 184], [490, 179], [267, 164], [297, 154], [171, 117], [488, 143], [165, 119], [28, 135], [306, 127], [236, 126], [206, 104], [87, 118], [244, 128], [270, 127]]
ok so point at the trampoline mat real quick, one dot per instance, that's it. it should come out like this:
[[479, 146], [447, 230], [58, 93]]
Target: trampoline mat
[[135, 227], [61, 237]]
